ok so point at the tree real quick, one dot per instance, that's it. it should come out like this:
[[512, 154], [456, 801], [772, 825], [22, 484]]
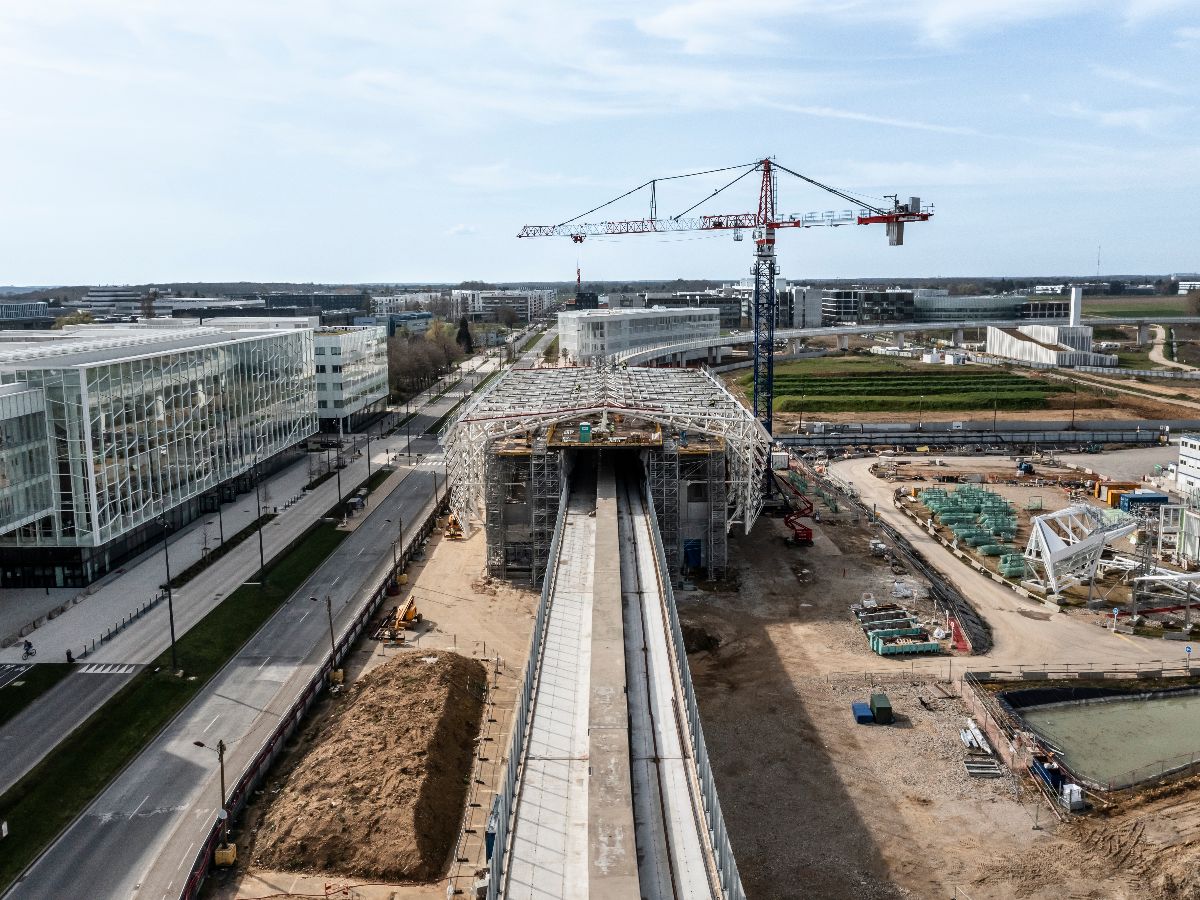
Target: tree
[[148, 300], [506, 316], [464, 337], [82, 317]]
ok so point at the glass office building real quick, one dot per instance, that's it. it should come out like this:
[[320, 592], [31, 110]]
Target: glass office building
[[138, 426]]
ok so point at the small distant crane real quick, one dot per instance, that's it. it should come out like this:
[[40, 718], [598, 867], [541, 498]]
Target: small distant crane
[[762, 224]]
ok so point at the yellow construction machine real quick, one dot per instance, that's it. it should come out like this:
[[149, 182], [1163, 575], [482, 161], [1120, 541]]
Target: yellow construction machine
[[397, 620]]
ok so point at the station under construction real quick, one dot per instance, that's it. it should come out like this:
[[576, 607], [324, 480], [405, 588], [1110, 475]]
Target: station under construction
[[700, 454]]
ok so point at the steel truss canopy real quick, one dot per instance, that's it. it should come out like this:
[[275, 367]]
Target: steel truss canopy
[[1064, 547], [528, 400]]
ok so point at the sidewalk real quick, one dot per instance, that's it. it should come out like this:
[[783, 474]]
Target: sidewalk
[[118, 597]]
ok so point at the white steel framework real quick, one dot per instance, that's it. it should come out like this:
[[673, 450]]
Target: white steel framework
[[527, 400], [1064, 547]]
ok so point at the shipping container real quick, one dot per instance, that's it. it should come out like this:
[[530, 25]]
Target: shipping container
[[881, 709]]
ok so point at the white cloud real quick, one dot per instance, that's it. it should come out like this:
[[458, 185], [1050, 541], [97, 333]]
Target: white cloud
[[461, 229], [1145, 119], [1187, 38], [1123, 76]]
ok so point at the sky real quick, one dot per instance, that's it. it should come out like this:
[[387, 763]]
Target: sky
[[377, 141]]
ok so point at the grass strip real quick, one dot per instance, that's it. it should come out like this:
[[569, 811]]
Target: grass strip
[[51, 795], [19, 693], [217, 552], [530, 341]]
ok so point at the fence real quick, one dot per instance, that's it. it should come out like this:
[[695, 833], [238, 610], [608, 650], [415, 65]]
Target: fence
[[731, 882], [506, 797], [290, 720], [1011, 741]]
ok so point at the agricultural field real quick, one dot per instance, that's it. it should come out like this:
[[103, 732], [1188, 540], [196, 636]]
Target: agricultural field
[[879, 384], [1130, 306]]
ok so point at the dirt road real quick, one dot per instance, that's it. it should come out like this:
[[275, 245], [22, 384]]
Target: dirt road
[[1023, 635]]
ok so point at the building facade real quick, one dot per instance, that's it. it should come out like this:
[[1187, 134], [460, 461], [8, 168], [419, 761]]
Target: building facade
[[1187, 470], [487, 306], [351, 374], [126, 431], [727, 304], [1047, 345], [586, 336], [863, 307]]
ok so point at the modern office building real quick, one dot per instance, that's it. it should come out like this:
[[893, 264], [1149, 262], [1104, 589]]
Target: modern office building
[[995, 307], [727, 303], [112, 434], [488, 306], [586, 336], [395, 303], [411, 322], [31, 310], [867, 307], [352, 375]]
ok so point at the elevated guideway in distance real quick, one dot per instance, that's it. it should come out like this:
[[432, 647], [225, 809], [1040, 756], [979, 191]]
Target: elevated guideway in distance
[[608, 793], [664, 352]]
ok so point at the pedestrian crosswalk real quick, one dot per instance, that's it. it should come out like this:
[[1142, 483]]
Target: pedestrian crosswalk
[[107, 668]]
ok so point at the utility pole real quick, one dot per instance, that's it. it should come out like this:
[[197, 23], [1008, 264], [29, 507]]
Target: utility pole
[[329, 611], [166, 526]]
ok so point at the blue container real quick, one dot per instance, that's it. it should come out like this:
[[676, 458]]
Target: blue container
[[1143, 498], [862, 713]]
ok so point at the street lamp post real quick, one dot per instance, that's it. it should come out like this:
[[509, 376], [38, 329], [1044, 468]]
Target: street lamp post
[[262, 557], [329, 611], [224, 813], [368, 452], [166, 527], [921, 413], [339, 465]]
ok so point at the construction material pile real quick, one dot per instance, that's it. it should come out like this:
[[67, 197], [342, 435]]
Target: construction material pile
[[380, 793], [978, 517]]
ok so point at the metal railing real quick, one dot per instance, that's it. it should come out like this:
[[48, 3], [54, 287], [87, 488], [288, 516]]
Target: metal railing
[[291, 719], [506, 798], [718, 834]]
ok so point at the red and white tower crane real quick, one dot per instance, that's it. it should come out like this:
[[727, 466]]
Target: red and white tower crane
[[762, 224]]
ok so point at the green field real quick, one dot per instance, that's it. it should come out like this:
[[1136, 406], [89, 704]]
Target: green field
[[884, 384], [1153, 306]]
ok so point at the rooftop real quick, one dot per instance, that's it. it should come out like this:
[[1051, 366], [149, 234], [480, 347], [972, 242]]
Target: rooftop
[[640, 313]]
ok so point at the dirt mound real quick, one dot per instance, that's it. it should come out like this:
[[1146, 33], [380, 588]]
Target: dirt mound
[[380, 792]]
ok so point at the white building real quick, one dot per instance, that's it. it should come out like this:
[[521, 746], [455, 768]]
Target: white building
[[1186, 287], [1187, 470], [394, 303], [352, 375], [1050, 345], [600, 333], [486, 306]]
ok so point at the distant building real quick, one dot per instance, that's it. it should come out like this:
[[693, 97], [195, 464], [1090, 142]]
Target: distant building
[[36, 309], [1186, 287], [485, 306], [727, 304], [582, 300], [107, 431], [352, 375], [394, 303], [1048, 345], [410, 322], [996, 307], [867, 307], [598, 334], [1187, 470]]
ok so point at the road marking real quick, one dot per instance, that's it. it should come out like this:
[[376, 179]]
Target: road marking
[[186, 856], [305, 616], [263, 663], [213, 722], [139, 806], [336, 580], [361, 552]]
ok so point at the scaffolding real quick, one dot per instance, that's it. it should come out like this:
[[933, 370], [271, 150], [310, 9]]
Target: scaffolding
[[717, 504], [528, 401], [545, 479], [662, 478]]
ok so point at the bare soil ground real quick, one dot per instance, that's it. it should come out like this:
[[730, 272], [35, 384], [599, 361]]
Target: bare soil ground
[[464, 613], [818, 806], [379, 793]]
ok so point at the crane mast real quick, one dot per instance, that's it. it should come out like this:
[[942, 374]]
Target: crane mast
[[764, 223]]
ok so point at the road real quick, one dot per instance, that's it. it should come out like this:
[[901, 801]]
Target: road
[[26, 738], [1156, 351], [1021, 632], [140, 835]]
